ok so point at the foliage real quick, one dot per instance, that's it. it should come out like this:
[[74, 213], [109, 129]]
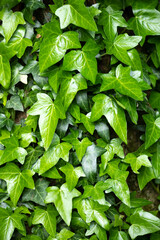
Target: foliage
[[79, 118]]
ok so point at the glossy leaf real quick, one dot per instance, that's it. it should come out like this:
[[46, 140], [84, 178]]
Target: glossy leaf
[[38, 194], [61, 198], [84, 61], [10, 22], [55, 44], [111, 19], [121, 44], [16, 180], [106, 106], [122, 82], [137, 162], [47, 218], [152, 129], [89, 161], [9, 221], [143, 223], [49, 114], [76, 13]]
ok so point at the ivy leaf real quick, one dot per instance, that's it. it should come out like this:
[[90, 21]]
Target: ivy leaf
[[80, 147], [137, 162], [52, 156], [85, 119], [5, 69], [143, 223], [38, 194], [145, 176], [16, 180], [92, 211], [47, 218], [31, 158], [89, 161], [96, 193], [55, 44], [154, 100], [98, 230], [18, 42], [106, 106], [120, 189], [145, 22], [76, 13], [111, 19], [34, 4], [118, 235], [123, 83], [61, 198], [84, 61], [64, 234], [130, 106], [114, 147], [10, 21], [12, 151], [49, 114], [8, 222], [121, 44], [72, 175], [15, 103], [152, 129], [69, 88], [155, 161]]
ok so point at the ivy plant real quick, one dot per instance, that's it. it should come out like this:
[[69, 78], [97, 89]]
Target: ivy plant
[[79, 119]]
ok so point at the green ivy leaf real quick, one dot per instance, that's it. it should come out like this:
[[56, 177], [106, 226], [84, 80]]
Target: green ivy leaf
[[137, 162], [34, 4], [18, 43], [47, 218], [152, 129], [92, 211], [76, 13], [55, 44], [123, 83], [154, 100], [12, 151], [49, 112], [84, 61], [145, 176], [72, 175], [10, 22], [69, 88], [8, 222], [96, 193], [61, 198], [15, 103], [52, 156], [145, 22], [16, 180], [120, 45], [114, 147], [38, 194], [118, 235], [98, 230], [89, 161], [85, 119], [143, 223], [111, 19], [106, 106]]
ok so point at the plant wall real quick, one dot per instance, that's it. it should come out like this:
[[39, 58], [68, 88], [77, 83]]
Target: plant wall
[[79, 119]]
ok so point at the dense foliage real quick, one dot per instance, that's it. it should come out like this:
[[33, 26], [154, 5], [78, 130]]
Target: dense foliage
[[79, 119]]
